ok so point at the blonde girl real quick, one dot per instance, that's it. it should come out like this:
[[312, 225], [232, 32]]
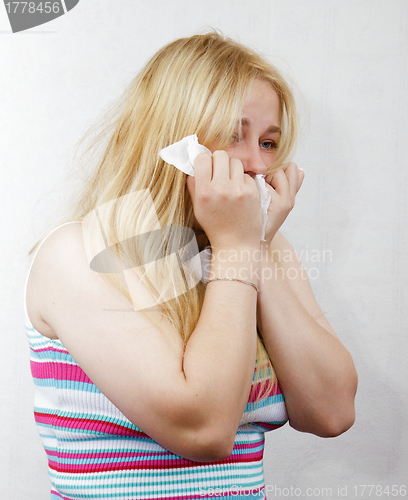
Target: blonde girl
[[172, 401]]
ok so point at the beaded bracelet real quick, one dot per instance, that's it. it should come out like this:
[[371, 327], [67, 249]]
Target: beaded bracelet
[[234, 279]]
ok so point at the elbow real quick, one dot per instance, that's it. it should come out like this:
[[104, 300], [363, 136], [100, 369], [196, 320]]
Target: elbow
[[199, 440], [191, 433], [212, 445], [327, 426], [334, 423], [337, 425], [325, 421], [339, 416]]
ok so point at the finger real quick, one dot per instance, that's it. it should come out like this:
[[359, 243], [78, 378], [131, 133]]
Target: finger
[[291, 172], [221, 166], [301, 176], [237, 170], [279, 182], [203, 169], [269, 177]]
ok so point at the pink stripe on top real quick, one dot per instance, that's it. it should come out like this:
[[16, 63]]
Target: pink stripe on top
[[95, 452]]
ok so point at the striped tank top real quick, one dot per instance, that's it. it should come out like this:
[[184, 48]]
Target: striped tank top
[[95, 452]]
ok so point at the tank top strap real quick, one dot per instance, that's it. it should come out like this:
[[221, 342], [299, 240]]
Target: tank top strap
[[27, 319]]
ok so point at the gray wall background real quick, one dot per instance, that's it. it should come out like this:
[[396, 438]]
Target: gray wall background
[[349, 60]]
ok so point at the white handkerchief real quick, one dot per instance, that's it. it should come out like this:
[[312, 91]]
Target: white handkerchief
[[182, 154]]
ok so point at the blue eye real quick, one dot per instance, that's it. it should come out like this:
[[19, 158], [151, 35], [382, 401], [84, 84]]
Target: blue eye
[[269, 145]]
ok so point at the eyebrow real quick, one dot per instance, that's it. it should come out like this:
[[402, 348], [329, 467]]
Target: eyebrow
[[273, 129]]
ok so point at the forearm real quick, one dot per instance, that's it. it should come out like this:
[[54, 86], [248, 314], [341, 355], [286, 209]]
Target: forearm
[[194, 400], [219, 360], [315, 371]]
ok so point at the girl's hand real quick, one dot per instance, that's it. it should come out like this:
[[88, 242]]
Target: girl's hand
[[226, 201], [283, 184]]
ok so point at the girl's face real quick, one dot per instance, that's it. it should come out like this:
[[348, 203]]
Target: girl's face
[[260, 132]]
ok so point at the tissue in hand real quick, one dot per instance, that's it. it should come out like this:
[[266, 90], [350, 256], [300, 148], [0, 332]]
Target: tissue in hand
[[182, 154]]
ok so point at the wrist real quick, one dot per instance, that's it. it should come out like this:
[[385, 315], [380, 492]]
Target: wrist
[[242, 246], [236, 279], [240, 263], [266, 251], [270, 271]]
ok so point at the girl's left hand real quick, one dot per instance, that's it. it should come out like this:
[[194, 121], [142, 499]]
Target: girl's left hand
[[283, 185]]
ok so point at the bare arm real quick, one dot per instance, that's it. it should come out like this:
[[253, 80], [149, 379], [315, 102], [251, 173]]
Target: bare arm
[[191, 403], [315, 371]]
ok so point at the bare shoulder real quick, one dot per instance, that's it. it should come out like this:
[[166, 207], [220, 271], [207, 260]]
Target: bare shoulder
[[54, 251], [134, 360], [61, 241], [60, 255], [62, 284], [64, 271]]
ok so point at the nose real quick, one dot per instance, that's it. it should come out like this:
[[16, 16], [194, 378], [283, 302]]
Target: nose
[[252, 161]]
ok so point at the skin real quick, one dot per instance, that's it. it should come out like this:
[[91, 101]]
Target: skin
[[315, 371], [174, 394]]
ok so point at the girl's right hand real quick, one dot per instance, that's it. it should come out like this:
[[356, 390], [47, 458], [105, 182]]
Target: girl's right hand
[[226, 201]]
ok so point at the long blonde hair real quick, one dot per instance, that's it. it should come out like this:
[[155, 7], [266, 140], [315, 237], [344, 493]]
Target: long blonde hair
[[194, 85]]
